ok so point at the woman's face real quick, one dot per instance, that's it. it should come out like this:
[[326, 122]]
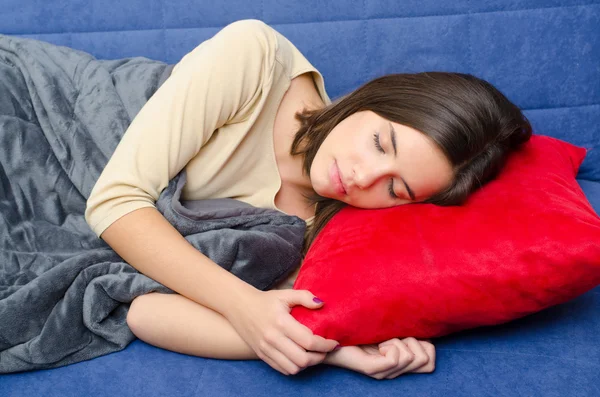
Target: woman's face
[[373, 171]]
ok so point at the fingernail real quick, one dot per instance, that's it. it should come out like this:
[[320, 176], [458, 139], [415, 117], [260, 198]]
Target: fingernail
[[337, 347], [317, 300]]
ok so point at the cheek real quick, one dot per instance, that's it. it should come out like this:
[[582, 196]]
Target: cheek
[[319, 174], [370, 200]]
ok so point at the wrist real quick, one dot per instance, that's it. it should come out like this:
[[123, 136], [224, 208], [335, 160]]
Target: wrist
[[332, 358], [242, 295]]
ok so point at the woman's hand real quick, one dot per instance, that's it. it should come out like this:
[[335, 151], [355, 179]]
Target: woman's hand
[[264, 322], [387, 360]]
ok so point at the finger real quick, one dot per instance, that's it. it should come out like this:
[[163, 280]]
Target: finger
[[404, 361], [402, 368], [380, 366], [296, 353], [281, 360], [421, 358], [315, 358], [430, 366], [304, 298], [300, 333], [424, 361], [427, 368], [273, 364], [304, 337], [398, 361]]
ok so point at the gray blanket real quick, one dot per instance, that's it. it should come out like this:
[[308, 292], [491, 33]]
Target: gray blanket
[[64, 293]]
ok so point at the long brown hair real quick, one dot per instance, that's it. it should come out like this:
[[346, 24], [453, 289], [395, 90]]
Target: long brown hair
[[471, 121]]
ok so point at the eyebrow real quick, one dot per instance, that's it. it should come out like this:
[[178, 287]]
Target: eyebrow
[[392, 132]]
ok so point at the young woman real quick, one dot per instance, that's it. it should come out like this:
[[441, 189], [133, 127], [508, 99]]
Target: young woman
[[248, 117]]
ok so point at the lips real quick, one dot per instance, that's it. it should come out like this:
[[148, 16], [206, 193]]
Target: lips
[[336, 179], [342, 180]]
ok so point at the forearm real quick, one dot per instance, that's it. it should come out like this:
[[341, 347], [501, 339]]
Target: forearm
[[149, 243], [176, 323]]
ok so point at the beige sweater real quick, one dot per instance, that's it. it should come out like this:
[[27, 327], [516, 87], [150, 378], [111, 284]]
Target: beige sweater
[[214, 117]]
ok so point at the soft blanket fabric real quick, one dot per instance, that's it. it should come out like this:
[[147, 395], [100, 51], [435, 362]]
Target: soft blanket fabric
[[64, 293]]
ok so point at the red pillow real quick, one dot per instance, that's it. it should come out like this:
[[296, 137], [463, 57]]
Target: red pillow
[[526, 241]]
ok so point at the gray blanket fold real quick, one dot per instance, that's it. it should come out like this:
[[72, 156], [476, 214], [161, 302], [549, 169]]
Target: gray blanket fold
[[64, 293]]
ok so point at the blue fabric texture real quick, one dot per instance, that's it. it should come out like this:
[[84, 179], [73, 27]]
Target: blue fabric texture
[[543, 54]]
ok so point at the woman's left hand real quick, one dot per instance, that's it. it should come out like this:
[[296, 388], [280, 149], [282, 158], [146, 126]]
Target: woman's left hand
[[386, 360]]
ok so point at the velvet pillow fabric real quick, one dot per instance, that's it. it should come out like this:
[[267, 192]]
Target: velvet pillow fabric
[[525, 241]]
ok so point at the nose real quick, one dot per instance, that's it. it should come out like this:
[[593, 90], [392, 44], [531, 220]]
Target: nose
[[365, 176]]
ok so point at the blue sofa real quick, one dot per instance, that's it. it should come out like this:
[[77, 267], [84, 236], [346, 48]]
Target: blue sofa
[[543, 54]]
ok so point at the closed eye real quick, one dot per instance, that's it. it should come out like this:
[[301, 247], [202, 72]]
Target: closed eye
[[380, 148], [377, 143], [391, 189]]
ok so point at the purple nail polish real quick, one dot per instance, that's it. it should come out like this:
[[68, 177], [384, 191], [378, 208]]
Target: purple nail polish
[[317, 300]]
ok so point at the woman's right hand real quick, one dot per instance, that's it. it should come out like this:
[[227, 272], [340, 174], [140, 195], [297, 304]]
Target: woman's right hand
[[264, 321]]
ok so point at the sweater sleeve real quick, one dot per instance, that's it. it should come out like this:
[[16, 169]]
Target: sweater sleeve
[[218, 82]]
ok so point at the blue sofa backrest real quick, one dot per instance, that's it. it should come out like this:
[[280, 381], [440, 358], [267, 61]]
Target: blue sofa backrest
[[544, 55]]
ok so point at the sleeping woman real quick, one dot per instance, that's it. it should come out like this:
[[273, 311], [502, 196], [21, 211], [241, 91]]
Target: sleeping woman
[[247, 116]]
